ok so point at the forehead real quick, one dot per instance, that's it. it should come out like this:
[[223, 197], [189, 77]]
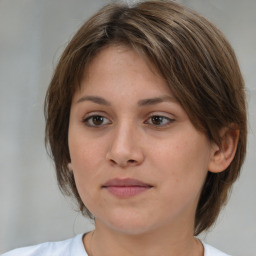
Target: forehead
[[117, 66], [114, 53]]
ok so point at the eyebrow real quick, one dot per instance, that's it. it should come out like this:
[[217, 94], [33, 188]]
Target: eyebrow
[[94, 99], [156, 100], [144, 102]]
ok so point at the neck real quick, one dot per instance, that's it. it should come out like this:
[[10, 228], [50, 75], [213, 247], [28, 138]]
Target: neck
[[103, 241]]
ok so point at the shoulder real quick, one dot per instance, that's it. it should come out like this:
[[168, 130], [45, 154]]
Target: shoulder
[[211, 251], [73, 246]]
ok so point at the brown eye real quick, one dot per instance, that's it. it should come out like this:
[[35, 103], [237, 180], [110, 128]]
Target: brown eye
[[96, 121], [159, 120]]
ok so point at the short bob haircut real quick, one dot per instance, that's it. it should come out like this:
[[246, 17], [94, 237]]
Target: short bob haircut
[[194, 58]]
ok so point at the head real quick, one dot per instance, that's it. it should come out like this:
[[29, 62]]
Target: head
[[194, 59]]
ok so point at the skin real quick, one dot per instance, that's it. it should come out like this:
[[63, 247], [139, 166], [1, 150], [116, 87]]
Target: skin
[[127, 142]]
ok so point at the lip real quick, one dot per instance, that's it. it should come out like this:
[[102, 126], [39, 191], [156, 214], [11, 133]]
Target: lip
[[125, 188]]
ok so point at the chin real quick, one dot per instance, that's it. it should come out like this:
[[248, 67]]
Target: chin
[[129, 224]]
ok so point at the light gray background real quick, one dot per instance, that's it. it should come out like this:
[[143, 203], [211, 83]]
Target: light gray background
[[33, 33]]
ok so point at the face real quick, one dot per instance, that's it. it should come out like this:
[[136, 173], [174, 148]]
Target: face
[[138, 162]]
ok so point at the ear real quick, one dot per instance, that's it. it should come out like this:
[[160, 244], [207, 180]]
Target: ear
[[223, 154], [70, 167]]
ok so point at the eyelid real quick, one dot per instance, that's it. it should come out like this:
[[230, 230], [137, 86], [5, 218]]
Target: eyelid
[[94, 113], [162, 114]]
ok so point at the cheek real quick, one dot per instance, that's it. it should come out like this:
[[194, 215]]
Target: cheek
[[86, 157], [183, 160], [84, 151], [86, 168]]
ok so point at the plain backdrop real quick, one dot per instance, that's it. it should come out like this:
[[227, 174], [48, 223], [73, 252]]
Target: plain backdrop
[[33, 33]]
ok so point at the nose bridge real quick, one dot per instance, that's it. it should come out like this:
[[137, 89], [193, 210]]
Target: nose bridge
[[125, 147], [123, 137]]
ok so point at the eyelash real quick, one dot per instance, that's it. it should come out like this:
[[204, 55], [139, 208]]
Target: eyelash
[[160, 118], [168, 120], [89, 119]]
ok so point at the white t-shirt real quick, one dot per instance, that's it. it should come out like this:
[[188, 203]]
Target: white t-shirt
[[75, 247]]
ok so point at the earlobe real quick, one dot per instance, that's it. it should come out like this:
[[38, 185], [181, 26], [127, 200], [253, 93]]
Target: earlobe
[[223, 154], [70, 167]]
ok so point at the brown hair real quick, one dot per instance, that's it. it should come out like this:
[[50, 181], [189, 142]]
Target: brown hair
[[198, 64]]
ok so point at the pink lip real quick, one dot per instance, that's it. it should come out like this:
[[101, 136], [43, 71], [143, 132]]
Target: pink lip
[[126, 187]]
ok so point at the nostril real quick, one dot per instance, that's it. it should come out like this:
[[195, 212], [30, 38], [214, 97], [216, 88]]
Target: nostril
[[131, 161]]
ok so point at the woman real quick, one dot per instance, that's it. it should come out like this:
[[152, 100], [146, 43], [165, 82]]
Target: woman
[[146, 123]]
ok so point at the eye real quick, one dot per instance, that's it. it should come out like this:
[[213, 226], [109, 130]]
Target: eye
[[158, 120], [96, 121]]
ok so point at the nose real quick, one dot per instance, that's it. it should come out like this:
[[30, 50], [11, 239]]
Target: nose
[[125, 148]]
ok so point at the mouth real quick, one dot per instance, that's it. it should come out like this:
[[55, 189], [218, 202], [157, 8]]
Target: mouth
[[124, 188]]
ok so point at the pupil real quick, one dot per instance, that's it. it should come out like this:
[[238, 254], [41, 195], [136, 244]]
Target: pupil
[[97, 120], [157, 120]]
